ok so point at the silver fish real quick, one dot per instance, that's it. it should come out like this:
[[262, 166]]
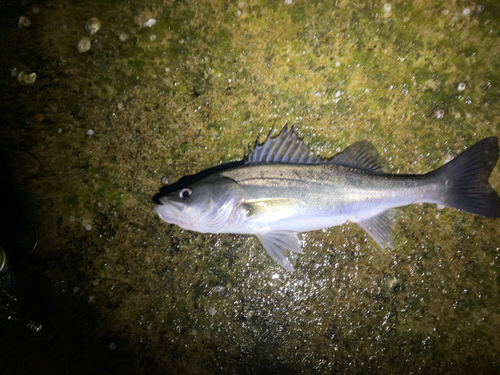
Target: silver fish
[[282, 189]]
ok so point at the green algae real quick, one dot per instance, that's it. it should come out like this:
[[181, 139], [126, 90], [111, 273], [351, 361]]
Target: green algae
[[338, 72]]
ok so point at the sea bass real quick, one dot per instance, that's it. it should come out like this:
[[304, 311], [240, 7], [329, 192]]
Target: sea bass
[[282, 189]]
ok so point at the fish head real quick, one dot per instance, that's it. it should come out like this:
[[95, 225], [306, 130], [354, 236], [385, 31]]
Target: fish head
[[204, 206]]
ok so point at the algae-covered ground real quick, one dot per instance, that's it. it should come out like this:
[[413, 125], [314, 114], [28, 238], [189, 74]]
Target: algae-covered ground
[[98, 133]]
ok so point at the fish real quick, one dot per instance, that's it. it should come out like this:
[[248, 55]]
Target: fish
[[282, 189]]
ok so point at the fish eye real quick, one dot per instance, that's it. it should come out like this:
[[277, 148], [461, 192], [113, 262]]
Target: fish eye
[[185, 193]]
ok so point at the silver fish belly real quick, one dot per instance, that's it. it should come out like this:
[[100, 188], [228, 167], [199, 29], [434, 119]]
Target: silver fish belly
[[282, 189]]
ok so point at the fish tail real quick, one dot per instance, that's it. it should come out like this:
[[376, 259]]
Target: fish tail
[[466, 178]]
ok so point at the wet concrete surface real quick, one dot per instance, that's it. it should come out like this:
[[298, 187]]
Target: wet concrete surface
[[109, 288]]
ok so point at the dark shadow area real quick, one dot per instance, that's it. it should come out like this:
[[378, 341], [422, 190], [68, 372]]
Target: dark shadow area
[[41, 332]]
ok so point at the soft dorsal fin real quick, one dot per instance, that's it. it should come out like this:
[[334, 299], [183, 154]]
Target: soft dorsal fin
[[288, 148], [285, 148], [360, 155]]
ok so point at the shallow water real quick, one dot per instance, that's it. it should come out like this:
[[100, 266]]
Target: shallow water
[[98, 133]]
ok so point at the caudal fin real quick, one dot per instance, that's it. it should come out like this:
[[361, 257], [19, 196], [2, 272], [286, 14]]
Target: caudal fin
[[467, 179]]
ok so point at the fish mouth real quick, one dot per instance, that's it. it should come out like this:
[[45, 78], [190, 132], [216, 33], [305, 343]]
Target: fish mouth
[[210, 218], [169, 211]]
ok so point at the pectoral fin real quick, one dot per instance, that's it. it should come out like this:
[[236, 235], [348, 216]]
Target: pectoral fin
[[265, 206], [277, 242], [380, 227]]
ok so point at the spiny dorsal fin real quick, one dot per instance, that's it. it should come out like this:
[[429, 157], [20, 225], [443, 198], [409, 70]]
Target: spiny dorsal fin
[[288, 148], [360, 155], [285, 148]]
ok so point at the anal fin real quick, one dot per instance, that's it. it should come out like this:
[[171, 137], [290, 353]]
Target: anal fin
[[279, 241], [380, 227]]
